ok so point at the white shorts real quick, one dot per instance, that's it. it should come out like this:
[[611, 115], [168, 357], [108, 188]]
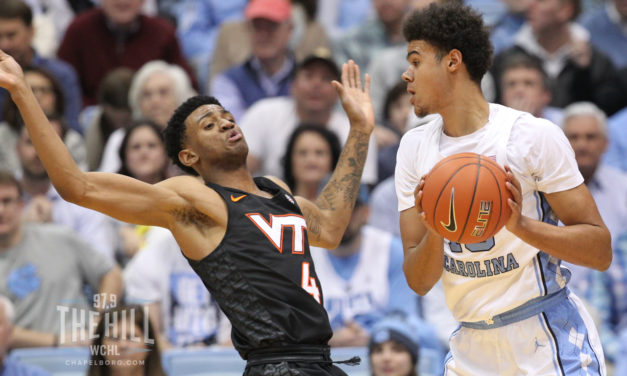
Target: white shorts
[[560, 340]]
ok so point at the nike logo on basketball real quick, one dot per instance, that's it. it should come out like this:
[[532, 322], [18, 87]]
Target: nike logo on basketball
[[451, 225], [236, 199]]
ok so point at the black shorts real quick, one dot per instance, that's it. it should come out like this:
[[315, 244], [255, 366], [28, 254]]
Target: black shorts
[[294, 369], [294, 360]]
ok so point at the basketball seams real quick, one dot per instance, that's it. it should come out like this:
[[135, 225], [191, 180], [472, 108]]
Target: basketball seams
[[445, 185], [498, 186], [472, 200]]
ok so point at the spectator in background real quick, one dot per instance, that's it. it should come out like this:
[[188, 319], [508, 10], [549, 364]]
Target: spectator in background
[[113, 35], [504, 31], [45, 205], [616, 154], [608, 32], [234, 38], [155, 92], [363, 42], [269, 71], [337, 17], [310, 157], [131, 351], [43, 266], [181, 309], [50, 19], [578, 72], [404, 346], [50, 97], [585, 127], [313, 101], [16, 36], [112, 112], [607, 293], [8, 367], [396, 110], [198, 24], [362, 279], [525, 87], [143, 157]]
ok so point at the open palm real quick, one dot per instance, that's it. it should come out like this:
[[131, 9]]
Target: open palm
[[10, 71], [355, 98]]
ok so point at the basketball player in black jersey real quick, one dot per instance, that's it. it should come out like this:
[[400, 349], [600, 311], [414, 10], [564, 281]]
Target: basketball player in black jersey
[[248, 239]]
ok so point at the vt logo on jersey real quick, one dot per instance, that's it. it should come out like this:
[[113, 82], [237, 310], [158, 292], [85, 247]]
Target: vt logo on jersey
[[275, 228], [451, 225]]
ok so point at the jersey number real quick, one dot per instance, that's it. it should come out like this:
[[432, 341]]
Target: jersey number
[[309, 283], [484, 246]]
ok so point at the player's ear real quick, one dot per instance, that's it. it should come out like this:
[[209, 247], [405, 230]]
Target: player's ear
[[188, 157], [453, 60]]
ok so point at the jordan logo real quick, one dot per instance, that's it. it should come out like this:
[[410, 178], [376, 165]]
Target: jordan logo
[[236, 199], [451, 225]]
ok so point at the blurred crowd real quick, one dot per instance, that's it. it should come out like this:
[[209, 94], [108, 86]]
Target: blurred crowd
[[109, 74]]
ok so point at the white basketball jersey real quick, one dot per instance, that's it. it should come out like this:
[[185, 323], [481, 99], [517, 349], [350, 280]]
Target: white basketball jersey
[[484, 279], [367, 291]]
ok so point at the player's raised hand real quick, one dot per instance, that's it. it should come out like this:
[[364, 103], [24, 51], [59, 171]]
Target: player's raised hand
[[11, 74], [355, 97]]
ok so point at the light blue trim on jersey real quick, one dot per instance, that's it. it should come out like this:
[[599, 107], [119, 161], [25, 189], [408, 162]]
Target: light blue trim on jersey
[[549, 334], [536, 269]]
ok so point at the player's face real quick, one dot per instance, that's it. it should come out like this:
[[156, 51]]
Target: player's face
[[390, 359], [311, 158], [11, 206], [426, 78], [588, 141], [523, 89], [43, 90], [15, 38], [312, 88], [214, 137], [145, 155], [157, 99]]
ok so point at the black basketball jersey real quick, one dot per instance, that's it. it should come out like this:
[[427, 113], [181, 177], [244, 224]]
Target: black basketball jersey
[[262, 274]]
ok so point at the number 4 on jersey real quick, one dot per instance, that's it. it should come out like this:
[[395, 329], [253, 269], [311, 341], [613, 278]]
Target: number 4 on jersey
[[309, 283]]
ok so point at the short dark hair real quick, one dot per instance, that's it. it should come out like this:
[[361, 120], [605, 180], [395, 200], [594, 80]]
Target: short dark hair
[[330, 137], [114, 87], [452, 26], [523, 60], [174, 133], [8, 179], [10, 9]]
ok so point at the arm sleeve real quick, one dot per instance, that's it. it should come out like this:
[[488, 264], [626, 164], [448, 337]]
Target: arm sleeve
[[549, 156]]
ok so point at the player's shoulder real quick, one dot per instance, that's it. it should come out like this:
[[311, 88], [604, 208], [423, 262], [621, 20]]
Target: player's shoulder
[[414, 136], [279, 182], [528, 127]]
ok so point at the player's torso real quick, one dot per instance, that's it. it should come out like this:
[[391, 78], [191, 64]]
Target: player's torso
[[501, 273], [262, 274]]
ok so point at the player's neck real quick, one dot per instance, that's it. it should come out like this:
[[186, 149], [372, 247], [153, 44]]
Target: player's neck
[[466, 113], [240, 179]]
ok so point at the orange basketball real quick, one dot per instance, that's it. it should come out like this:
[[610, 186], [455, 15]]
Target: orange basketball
[[465, 198]]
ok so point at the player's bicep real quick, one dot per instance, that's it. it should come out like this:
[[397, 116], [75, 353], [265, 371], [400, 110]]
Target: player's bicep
[[128, 199], [412, 228], [575, 206]]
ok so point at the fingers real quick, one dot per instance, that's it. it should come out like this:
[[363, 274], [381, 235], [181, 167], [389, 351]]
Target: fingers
[[338, 87], [356, 75], [367, 83], [351, 77]]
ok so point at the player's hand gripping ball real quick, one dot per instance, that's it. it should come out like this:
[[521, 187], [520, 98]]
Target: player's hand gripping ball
[[464, 198]]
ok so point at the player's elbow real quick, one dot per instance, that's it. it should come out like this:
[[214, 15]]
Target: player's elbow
[[604, 259], [419, 285]]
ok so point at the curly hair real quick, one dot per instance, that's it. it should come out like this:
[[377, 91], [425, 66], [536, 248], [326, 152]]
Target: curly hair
[[174, 133], [453, 26]]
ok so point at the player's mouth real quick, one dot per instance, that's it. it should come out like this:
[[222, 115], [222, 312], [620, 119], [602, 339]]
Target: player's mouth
[[234, 136]]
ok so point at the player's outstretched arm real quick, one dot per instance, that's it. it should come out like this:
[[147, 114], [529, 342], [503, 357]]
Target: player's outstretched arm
[[116, 195], [584, 240], [328, 217]]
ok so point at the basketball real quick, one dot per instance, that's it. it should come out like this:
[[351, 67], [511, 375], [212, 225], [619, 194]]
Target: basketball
[[465, 198]]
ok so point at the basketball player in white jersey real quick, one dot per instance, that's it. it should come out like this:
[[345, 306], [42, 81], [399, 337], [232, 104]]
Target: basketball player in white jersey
[[510, 292]]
